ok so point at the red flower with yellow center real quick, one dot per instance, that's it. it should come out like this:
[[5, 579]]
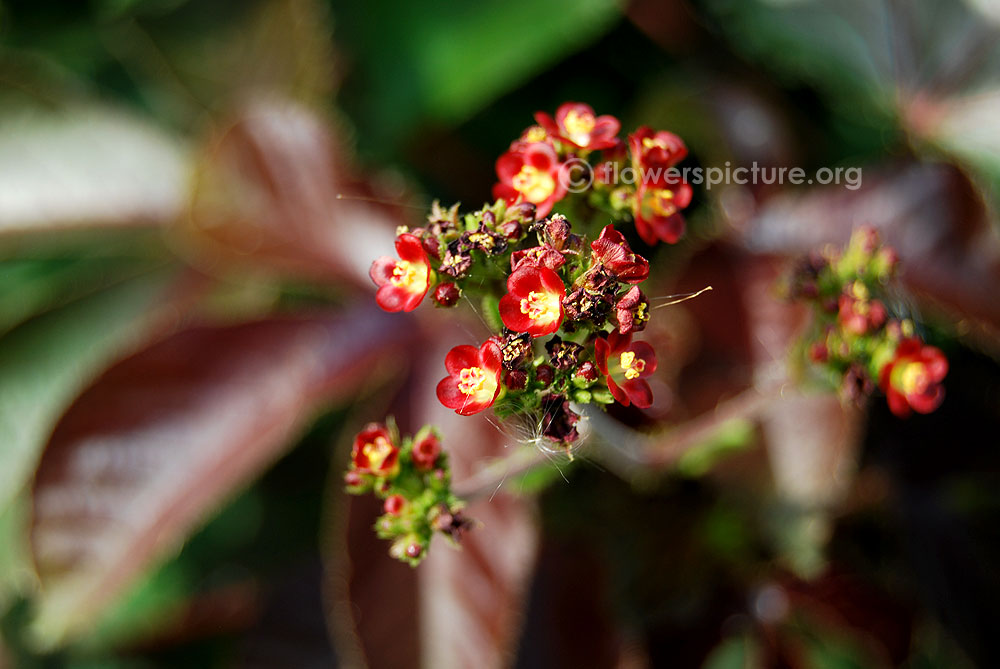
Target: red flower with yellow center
[[657, 211], [374, 452], [613, 252], [473, 381], [626, 365], [654, 153], [576, 124], [912, 380], [533, 302], [532, 173], [403, 282]]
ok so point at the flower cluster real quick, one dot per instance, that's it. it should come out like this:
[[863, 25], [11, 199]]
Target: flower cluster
[[412, 477], [564, 314], [578, 153], [854, 340], [563, 301]]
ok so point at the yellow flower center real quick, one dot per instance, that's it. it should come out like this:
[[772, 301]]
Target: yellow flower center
[[632, 365], [535, 133], [914, 378], [579, 126], [377, 451], [663, 202], [536, 186], [409, 275], [471, 380], [542, 308], [653, 143]]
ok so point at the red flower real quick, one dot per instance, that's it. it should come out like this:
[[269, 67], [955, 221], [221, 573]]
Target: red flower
[[402, 283], [576, 124], [473, 380], [533, 302], [534, 174], [656, 211], [912, 380], [612, 251], [654, 153], [632, 311], [626, 365], [426, 451], [374, 452]]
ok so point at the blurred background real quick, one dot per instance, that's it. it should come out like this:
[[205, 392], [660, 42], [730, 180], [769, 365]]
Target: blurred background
[[191, 192]]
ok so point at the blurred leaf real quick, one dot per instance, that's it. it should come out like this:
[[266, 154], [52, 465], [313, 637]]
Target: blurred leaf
[[266, 195], [87, 167], [738, 652], [271, 47], [31, 285], [163, 437], [447, 61], [731, 437], [934, 64], [47, 361]]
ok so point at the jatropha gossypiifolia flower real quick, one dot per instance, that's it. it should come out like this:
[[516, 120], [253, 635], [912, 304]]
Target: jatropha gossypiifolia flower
[[412, 477], [854, 341], [562, 299]]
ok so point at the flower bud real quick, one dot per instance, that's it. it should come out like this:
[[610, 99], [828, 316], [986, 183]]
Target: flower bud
[[516, 380], [447, 294], [425, 451], [353, 479], [587, 371], [394, 504], [545, 375]]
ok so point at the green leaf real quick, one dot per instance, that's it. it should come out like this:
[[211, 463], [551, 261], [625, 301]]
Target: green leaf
[[448, 61], [731, 437]]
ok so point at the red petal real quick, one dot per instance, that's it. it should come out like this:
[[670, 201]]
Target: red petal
[[511, 314], [618, 393], [410, 249], [509, 164], [618, 342], [547, 122], [461, 357], [551, 282], [449, 394], [490, 357], [381, 270], [502, 191], [646, 353], [392, 298], [897, 403], [601, 354], [524, 280], [639, 392]]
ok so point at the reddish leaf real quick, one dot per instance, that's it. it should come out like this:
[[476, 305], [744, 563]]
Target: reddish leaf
[[157, 442], [268, 194]]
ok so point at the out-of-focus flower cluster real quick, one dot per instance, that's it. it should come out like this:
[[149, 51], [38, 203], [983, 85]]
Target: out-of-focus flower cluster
[[412, 477], [854, 341]]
